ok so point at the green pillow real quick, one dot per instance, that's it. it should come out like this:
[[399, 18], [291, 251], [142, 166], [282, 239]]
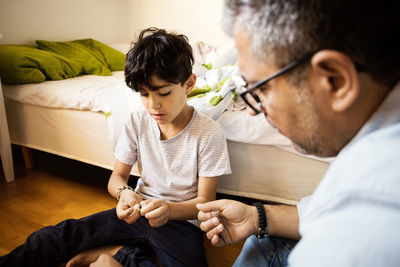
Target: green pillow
[[27, 64], [91, 61], [57, 60], [114, 58]]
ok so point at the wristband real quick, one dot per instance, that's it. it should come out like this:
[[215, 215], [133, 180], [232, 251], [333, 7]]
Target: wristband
[[122, 189], [262, 220]]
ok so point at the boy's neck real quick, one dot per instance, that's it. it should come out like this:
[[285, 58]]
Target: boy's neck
[[170, 130]]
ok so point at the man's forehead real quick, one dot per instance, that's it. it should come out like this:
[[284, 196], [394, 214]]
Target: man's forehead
[[253, 70], [251, 67]]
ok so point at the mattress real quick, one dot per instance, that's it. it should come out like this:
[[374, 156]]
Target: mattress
[[258, 171]]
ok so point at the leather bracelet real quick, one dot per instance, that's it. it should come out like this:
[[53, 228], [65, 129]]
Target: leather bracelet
[[262, 220]]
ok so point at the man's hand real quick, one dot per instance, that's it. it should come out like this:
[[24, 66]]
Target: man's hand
[[128, 207], [156, 211], [227, 221]]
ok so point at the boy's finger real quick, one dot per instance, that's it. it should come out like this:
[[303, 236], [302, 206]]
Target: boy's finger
[[136, 208], [157, 212], [132, 218], [147, 205], [132, 202], [122, 214], [145, 202]]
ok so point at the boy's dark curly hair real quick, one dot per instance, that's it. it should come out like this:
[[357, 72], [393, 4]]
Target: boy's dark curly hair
[[157, 52]]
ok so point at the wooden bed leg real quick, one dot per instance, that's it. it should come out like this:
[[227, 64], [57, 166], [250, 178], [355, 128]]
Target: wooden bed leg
[[28, 157]]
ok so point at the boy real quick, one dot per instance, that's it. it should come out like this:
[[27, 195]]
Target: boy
[[180, 155]]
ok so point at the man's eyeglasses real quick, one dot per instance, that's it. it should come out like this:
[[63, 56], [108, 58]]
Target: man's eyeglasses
[[251, 98]]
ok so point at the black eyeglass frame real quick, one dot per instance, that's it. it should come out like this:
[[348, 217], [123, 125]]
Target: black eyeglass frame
[[251, 89]]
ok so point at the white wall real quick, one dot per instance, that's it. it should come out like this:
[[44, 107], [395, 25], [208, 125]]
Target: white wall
[[24, 21], [199, 20]]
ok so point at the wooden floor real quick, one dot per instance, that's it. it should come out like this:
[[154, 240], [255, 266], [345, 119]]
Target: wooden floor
[[58, 189]]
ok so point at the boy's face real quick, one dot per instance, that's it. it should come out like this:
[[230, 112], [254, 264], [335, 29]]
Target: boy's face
[[167, 103]]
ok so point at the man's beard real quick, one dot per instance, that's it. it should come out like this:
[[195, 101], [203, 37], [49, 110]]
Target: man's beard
[[316, 147]]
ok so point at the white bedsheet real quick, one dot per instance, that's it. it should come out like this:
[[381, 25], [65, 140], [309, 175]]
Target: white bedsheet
[[110, 94]]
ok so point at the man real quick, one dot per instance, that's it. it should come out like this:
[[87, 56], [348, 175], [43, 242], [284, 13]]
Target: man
[[326, 74]]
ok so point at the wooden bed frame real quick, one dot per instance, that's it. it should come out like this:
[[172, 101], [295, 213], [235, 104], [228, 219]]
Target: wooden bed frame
[[258, 171]]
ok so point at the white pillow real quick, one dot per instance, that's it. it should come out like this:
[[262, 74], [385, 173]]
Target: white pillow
[[212, 57]]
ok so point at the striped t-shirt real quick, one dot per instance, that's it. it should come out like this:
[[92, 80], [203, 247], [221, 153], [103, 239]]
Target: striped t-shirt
[[170, 168]]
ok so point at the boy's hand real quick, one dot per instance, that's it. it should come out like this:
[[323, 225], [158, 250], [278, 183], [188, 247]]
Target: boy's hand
[[105, 260], [128, 207], [156, 211]]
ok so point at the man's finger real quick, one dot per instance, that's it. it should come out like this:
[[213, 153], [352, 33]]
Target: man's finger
[[207, 225], [203, 216], [217, 241], [214, 231], [209, 206]]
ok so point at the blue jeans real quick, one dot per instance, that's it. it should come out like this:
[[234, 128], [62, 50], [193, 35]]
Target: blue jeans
[[177, 243], [268, 252]]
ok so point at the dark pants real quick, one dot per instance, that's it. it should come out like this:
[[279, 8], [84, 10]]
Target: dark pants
[[177, 243]]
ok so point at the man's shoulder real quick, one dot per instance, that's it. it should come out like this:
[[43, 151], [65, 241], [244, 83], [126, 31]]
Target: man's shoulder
[[369, 166], [378, 145]]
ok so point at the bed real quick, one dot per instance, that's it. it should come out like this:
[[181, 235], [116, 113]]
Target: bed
[[77, 118]]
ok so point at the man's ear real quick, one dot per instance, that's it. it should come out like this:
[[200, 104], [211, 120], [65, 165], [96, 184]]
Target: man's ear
[[190, 83], [337, 76]]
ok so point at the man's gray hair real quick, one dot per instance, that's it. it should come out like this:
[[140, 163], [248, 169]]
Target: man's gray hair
[[274, 27], [286, 30]]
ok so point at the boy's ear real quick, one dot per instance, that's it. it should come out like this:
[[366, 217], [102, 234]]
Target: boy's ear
[[336, 78], [190, 83]]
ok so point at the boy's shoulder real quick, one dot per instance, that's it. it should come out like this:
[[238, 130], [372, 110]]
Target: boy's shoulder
[[206, 126], [139, 115], [138, 119], [206, 121], [200, 124]]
